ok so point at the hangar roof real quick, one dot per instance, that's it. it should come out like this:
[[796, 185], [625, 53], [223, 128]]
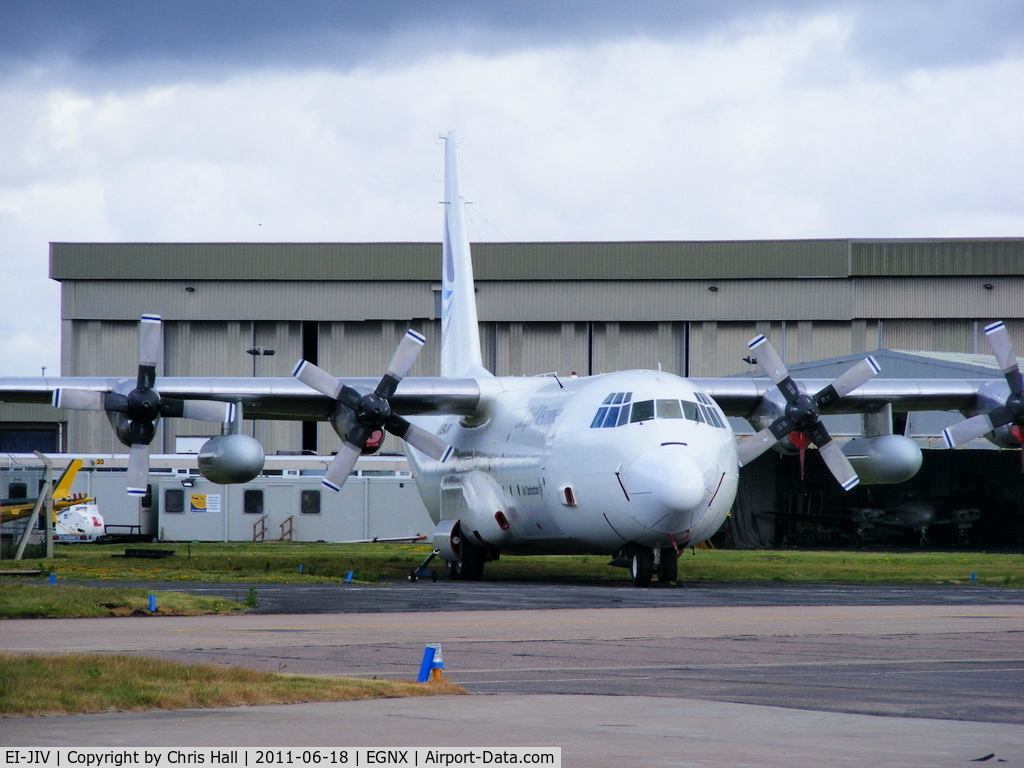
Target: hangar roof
[[900, 364], [675, 260]]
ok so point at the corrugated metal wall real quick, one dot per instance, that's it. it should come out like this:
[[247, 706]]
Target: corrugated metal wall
[[585, 307], [689, 260], [246, 300], [553, 301], [979, 257], [244, 261], [364, 349], [623, 346], [421, 261], [936, 335]]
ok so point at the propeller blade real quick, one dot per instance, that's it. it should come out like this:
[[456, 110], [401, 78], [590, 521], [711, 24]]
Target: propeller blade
[[341, 467], [317, 378], [420, 439], [372, 411], [752, 447], [208, 410], [79, 399], [405, 355], [150, 333], [768, 358], [1010, 412], [138, 469], [801, 413], [967, 430], [849, 380], [1002, 347], [839, 465]]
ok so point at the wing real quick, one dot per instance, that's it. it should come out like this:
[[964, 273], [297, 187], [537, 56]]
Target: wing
[[995, 408], [744, 396], [782, 408], [262, 398]]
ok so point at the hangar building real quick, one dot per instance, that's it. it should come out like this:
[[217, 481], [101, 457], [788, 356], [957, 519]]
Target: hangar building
[[254, 309]]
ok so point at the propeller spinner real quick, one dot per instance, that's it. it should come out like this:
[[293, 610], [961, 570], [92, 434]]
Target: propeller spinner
[[372, 411], [1012, 411], [802, 413], [141, 409]]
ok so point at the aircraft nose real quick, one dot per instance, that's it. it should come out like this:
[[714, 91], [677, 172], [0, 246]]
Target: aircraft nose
[[665, 484]]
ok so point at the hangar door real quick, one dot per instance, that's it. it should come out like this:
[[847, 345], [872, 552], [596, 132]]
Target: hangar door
[[25, 438]]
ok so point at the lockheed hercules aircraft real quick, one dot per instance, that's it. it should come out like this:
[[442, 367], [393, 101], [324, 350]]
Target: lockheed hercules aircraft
[[638, 465]]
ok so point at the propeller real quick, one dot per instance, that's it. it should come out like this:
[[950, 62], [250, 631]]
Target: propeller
[[372, 411], [1010, 412], [801, 420], [142, 408]]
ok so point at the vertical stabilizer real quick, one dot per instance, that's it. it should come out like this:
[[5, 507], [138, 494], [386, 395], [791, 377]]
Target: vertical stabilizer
[[460, 332], [62, 489]]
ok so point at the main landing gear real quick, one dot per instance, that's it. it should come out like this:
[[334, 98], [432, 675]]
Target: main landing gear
[[644, 563], [471, 566]]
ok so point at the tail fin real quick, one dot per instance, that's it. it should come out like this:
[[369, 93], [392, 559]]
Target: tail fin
[[460, 332], [63, 488]]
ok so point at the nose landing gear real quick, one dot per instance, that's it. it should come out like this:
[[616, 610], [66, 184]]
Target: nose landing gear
[[645, 563]]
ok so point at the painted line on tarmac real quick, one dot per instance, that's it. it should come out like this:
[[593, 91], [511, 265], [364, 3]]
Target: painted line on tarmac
[[755, 667], [605, 622]]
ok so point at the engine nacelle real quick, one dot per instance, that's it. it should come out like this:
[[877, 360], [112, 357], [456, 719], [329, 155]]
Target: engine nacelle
[[231, 459], [448, 540], [884, 460], [120, 424], [992, 395]]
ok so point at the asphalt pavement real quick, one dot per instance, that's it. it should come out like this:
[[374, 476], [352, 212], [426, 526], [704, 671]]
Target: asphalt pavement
[[730, 674], [445, 595]]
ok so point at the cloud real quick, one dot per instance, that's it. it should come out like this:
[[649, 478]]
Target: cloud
[[769, 120], [92, 43]]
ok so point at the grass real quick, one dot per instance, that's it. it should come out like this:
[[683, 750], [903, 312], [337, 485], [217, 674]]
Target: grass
[[19, 600], [320, 562], [244, 562], [81, 683], [857, 567]]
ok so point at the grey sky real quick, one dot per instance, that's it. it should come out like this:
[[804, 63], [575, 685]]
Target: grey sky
[[253, 120], [165, 39]]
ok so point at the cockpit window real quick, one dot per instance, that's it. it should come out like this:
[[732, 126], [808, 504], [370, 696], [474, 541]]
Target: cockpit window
[[715, 416], [668, 409], [617, 410], [612, 417], [642, 411], [613, 410], [623, 417]]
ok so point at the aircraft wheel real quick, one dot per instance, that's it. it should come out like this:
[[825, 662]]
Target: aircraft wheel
[[642, 567], [669, 566]]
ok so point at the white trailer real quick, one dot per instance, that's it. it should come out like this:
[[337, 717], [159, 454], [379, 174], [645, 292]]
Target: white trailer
[[289, 508], [286, 502]]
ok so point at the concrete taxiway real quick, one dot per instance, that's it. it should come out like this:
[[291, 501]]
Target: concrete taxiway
[[940, 682]]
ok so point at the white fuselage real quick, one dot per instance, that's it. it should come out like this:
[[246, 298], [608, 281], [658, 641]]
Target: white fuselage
[[584, 464]]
